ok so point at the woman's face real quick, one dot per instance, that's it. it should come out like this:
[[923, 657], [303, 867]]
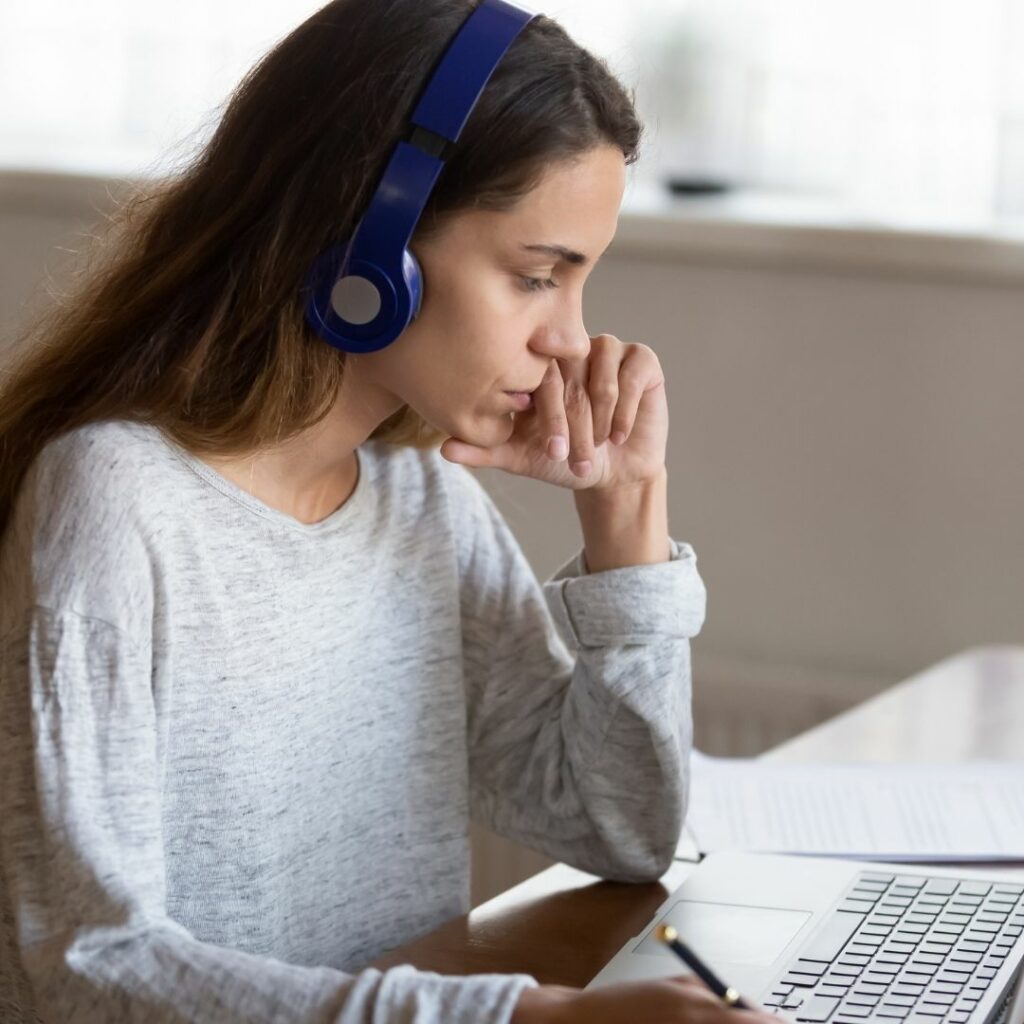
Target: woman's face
[[498, 305]]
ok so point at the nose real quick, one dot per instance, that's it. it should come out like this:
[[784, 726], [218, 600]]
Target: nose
[[563, 334]]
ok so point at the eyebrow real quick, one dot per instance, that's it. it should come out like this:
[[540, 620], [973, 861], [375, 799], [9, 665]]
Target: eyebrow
[[559, 252]]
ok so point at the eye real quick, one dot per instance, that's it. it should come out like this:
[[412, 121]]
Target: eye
[[536, 284]]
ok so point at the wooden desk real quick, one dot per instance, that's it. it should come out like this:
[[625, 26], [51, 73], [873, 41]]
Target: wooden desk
[[563, 925]]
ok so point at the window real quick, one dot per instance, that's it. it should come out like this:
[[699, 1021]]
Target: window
[[900, 108]]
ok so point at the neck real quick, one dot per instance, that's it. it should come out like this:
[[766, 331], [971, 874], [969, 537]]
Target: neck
[[312, 475]]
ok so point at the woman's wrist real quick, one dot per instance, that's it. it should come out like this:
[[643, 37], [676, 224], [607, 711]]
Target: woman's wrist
[[625, 527], [541, 1005]]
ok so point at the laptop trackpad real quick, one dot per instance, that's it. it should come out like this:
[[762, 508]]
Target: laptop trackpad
[[726, 933]]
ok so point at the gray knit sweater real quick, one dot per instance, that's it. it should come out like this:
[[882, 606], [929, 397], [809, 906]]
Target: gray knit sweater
[[239, 754]]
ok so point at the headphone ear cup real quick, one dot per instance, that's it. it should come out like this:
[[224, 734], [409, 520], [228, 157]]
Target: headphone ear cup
[[412, 273]]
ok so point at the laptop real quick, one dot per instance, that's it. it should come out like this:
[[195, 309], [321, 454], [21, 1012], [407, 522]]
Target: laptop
[[824, 941]]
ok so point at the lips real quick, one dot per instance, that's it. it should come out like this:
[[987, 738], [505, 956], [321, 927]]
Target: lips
[[521, 399]]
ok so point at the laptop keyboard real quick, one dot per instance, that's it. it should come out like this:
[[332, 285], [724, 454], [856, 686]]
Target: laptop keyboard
[[902, 949]]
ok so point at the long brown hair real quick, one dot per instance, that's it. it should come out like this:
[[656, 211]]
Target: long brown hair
[[189, 313]]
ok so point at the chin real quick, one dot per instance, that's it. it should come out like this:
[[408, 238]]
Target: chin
[[484, 429]]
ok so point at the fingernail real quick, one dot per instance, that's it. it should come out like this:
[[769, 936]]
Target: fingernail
[[581, 468], [558, 448], [618, 437]]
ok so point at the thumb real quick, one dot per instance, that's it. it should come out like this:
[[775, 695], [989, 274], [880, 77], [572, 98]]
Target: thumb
[[466, 454]]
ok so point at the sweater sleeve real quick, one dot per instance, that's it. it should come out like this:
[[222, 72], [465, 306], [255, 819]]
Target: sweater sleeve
[[82, 890], [578, 697]]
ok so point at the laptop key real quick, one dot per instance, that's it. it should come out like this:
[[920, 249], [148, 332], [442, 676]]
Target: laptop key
[[855, 905], [861, 999], [877, 978], [886, 957], [897, 1000], [817, 1009], [965, 956], [957, 967], [903, 989], [883, 968], [814, 967], [800, 980], [973, 947], [901, 947], [975, 888], [855, 1010], [869, 895], [896, 1012], [939, 998], [961, 899], [829, 942], [831, 990], [843, 981]]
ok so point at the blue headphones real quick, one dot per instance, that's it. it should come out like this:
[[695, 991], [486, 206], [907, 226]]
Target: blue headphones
[[365, 291]]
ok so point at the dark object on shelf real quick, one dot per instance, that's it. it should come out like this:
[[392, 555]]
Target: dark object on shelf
[[685, 186]]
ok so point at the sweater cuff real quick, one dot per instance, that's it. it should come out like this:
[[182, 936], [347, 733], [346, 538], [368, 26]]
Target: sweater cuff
[[633, 605], [406, 994]]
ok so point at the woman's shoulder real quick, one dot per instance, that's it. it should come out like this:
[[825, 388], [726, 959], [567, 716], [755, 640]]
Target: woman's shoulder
[[79, 526], [103, 469]]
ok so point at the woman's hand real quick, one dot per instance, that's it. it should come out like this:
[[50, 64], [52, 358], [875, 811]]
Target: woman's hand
[[683, 1000], [608, 410]]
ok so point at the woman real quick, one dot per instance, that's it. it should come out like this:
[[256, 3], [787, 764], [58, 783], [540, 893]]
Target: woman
[[265, 650]]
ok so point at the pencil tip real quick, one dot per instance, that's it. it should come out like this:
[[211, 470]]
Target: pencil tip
[[667, 933]]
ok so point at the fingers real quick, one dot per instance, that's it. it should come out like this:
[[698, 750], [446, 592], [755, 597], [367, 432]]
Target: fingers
[[548, 401], [603, 383], [583, 403], [638, 371], [563, 409], [581, 425], [699, 992]]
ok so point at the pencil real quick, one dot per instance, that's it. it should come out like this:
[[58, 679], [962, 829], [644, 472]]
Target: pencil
[[729, 996]]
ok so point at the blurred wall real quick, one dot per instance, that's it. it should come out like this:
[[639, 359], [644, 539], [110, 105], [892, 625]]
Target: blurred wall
[[845, 449]]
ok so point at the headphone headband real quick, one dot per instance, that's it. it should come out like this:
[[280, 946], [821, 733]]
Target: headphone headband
[[365, 292]]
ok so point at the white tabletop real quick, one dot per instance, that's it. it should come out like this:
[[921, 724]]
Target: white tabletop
[[967, 708]]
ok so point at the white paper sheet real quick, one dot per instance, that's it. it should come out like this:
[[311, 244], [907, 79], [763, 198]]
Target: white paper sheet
[[918, 812]]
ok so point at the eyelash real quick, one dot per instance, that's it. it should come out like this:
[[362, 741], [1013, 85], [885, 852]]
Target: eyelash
[[536, 284]]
